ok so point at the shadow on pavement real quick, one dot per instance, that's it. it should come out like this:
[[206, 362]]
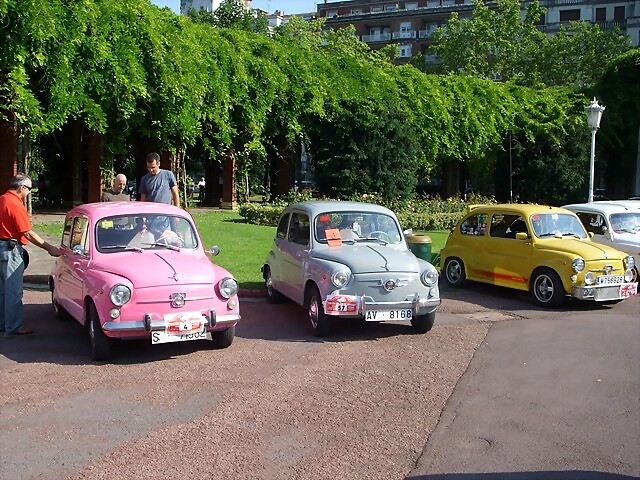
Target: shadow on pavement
[[557, 475]]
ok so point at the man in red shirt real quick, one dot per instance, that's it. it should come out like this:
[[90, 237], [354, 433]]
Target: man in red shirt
[[15, 232]]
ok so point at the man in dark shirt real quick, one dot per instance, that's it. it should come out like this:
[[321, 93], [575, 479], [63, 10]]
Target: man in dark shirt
[[158, 185], [116, 193]]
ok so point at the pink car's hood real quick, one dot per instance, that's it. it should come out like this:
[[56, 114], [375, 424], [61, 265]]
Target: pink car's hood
[[153, 269]]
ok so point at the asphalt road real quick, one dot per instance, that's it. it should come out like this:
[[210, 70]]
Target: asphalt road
[[498, 390]]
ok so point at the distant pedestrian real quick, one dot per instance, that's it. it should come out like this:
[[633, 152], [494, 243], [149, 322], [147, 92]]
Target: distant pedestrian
[[158, 185], [15, 232], [116, 193], [201, 188]]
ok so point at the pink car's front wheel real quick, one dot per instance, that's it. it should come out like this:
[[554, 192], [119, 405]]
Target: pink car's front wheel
[[100, 344]]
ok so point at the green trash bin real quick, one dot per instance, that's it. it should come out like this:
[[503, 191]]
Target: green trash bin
[[420, 246]]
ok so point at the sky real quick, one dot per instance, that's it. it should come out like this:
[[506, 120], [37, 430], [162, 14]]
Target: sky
[[286, 6]]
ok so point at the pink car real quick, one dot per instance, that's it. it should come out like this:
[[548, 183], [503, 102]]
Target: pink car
[[139, 270]]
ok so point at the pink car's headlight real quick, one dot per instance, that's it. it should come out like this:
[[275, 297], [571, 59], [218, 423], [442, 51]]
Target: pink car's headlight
[[228, 287], [120, 295]]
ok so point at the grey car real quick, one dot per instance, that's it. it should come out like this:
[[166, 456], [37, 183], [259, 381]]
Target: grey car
[[349, 260]]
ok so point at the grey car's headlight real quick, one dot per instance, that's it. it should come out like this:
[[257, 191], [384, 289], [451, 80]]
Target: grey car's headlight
[[120, 294], [429, 277], [341, 278], [228, 287], [577, 265], [629, 262]]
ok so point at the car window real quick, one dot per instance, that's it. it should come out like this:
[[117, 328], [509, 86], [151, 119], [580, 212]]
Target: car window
[[80, 236], [628, 222], [299, 231], [593, 222], [117, 233], [505, 225], [474, 225], [357, 226], [558, 225], [66, 232], [282, 227]]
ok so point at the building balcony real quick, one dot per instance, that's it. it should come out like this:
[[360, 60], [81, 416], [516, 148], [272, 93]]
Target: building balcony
[[405, 34], [378, 37], [426, 33]]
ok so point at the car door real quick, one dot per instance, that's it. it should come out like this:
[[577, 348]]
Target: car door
[[596, 223], [508, 259], [471, 245], [276, 263], [294, 255], [75, 258]]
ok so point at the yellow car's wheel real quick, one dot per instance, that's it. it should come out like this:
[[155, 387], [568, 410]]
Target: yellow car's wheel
[[454, 272], [547, 289]]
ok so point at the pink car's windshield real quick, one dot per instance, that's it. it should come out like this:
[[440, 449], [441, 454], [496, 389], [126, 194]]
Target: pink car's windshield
[[142, 232]]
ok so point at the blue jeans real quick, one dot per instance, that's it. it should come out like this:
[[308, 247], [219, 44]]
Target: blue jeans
[[11, 285]]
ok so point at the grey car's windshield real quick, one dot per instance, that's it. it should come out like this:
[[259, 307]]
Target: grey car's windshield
[[628, 222], [144, 232], [557, 225], [356, 227]]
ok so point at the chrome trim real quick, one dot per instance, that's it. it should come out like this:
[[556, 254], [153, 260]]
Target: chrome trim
[[601, 292], [155, 325], [166, 300]]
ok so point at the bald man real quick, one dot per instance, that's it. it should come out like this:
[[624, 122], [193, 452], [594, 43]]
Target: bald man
[[116, 193]]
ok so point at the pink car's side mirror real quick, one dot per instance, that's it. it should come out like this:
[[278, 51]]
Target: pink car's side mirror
[[215, 250]]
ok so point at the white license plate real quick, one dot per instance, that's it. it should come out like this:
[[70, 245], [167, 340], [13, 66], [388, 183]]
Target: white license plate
[[181, 327], [382, 315], [161, 336], [610, 279]]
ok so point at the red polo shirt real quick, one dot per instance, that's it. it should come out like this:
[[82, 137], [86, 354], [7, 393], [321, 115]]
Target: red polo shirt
[[14, 218]]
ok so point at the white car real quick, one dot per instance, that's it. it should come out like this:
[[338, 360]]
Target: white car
[[613, 222]]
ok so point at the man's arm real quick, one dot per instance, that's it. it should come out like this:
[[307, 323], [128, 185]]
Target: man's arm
[[143, 197], [34, 238], [175, 196]]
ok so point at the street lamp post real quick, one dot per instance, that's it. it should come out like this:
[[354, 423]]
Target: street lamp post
[[594, 114]]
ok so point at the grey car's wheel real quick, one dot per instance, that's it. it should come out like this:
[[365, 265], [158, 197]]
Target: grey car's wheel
[[320, 322], [100, 344], [224, 338], [273, 296], [423, 323], [547, 289], [454, 272]]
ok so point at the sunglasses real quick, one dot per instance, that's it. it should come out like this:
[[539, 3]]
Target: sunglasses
[[27, 187]]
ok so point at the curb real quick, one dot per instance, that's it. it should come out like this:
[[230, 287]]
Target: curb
[[43, 280]]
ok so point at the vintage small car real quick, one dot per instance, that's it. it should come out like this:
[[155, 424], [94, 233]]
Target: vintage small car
[[139, 270], [349, 260], [615, 223], [544, 250]]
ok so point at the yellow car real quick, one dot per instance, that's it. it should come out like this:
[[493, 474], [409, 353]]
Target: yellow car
[[544, 250]]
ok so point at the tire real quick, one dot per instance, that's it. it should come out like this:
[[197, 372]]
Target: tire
[[100, 344], [61, 313], [423, 323], [224, 338], [547, 289], [454, 272], [273, 296], [319, 321], [635, 275]]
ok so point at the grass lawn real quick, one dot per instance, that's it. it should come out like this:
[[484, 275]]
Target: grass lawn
[[243, 247]]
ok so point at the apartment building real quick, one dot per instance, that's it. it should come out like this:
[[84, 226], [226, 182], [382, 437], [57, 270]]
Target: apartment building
[[411, 23]]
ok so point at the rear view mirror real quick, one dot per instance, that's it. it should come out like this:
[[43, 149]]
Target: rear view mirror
[[215, 250], [522, 236]]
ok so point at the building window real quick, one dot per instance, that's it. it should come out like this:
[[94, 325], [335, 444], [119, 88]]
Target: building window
[[618, 13], [459, 2], [601, 14], [391, 7], [332, 13], [356, 11], [411, 6], [405, 27], [405, 51], [376, 9], [569, 15]]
